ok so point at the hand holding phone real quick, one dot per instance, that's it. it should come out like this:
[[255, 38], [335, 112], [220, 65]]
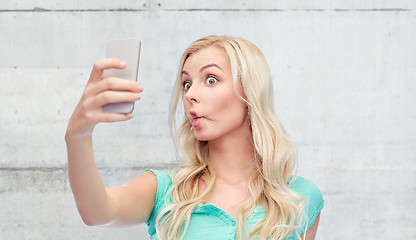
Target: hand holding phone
[[128, 51]]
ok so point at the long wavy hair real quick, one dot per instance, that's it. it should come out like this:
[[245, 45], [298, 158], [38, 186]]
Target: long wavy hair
[[275, 155]]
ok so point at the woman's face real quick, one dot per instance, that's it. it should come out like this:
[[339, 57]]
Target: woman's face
[[210, 102]]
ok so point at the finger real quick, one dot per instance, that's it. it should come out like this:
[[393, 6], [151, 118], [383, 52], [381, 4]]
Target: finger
[[116, 84], [114, 117], [108, 97], [96, 117], [101, 65]]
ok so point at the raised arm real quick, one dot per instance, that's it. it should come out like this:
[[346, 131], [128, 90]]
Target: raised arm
[[125, 205]]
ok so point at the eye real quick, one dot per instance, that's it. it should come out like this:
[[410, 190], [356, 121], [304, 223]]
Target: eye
[[187, 85], [211, 80]]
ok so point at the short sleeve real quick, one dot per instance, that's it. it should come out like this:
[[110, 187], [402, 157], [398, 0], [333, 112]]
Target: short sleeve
[[164, 184], [314, 200]]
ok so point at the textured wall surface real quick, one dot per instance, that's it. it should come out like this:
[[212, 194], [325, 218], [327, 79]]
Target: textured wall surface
[[344, 78]]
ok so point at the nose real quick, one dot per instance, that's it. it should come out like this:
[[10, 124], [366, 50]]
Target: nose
[[192, 95]]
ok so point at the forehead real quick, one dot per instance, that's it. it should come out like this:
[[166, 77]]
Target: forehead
[[206, 56]]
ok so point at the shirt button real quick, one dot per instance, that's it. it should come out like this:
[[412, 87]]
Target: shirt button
[[233, 223]]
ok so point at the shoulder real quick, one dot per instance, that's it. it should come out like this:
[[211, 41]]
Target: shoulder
[[306, 188], [313, 196], [161, 175], [164, 183]]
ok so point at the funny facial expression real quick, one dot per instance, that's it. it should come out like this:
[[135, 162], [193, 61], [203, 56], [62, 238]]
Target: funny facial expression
[[210, 101]]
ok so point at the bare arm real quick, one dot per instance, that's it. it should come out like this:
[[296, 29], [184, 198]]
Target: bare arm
[[311, 233], [97, 205]]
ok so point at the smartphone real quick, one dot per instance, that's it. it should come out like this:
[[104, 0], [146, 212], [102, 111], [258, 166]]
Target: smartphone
[[127, 50]]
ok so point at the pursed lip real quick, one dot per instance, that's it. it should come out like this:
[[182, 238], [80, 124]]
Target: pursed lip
[[195, 118], [193, 115]]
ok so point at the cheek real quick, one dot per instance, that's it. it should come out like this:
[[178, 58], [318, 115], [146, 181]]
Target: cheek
[[217, 101], [227, 105]]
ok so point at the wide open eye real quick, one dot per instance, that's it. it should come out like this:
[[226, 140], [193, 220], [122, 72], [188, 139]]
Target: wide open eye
[[187, 85], [211, 80]]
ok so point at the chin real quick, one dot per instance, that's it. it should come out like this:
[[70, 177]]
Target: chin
[[201, 137]]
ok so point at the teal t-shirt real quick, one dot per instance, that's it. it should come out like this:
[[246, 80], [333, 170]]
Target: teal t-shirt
[[211, 223]]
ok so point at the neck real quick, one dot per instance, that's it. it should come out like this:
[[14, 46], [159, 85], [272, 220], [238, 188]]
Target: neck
[[232, 158]]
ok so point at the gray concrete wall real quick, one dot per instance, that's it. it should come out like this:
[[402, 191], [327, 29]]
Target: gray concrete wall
[[344, 74]]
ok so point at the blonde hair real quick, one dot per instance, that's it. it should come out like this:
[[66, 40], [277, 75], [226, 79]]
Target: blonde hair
[[275, 155]]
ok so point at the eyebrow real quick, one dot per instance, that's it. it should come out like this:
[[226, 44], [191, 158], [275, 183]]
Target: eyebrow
[[204, 67]]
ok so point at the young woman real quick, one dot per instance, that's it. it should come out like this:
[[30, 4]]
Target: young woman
[[236, 180]]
